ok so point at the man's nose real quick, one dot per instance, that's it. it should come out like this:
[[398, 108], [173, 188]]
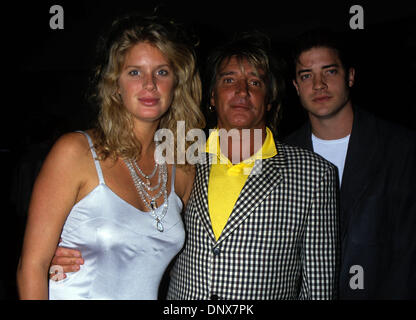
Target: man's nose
[[319, 82], [242, 88]]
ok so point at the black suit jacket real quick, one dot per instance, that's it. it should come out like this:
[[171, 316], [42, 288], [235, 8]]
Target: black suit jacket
[[377, 208]]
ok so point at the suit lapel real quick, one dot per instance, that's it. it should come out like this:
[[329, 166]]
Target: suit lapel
[[360, 165], [264, 178], [201, 189]]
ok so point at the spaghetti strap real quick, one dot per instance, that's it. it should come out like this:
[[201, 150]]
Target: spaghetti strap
[[94, 155], [172, 187]]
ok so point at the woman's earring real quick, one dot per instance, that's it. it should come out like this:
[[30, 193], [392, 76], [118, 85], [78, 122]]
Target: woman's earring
[[211, 108]]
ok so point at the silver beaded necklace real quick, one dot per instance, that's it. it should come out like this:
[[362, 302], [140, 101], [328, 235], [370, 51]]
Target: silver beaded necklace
[[141, 186], [148, 177]]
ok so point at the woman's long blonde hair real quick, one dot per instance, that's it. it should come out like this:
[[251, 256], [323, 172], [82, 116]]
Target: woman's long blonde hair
[[114, 135]]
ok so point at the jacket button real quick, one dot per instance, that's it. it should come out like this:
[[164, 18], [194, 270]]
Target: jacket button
[[214, 297], [216, 251]]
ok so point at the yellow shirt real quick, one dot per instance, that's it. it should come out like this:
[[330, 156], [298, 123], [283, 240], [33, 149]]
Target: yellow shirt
[[227, 180]]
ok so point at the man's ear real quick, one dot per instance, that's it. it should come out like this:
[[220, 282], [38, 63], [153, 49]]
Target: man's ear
[[212, 99], [351, 77], [269, 107], [296, 85]]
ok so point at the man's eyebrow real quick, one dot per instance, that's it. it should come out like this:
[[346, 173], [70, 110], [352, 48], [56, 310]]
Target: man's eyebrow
[[226, 73], [304, 70], [230, 73], [257, 74], [336, 65]]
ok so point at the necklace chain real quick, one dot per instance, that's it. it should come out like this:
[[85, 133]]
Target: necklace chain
[[148, 177], [141, 186], [147, 183]]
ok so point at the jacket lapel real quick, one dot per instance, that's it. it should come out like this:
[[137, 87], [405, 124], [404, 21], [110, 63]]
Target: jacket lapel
[[201, 189], [360, 165], [264, 178]]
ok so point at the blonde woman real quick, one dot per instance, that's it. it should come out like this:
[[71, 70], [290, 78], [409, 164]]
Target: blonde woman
[[102, 191]]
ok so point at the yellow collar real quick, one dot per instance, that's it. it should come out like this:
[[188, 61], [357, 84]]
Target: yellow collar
[[268, 149]]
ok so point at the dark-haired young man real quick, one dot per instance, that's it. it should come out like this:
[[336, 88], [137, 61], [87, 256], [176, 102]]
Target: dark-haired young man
[[376, 163]]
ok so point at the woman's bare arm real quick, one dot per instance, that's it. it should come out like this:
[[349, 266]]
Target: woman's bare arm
[[54, 194]]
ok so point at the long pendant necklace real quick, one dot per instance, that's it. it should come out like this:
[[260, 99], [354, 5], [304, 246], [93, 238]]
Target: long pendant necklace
[[141, 186]]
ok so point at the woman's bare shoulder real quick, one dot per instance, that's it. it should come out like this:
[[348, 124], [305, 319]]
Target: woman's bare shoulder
[[70, 151], [71, 144]]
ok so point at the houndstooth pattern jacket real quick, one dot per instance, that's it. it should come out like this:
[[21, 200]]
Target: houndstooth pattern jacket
[[280, 242]]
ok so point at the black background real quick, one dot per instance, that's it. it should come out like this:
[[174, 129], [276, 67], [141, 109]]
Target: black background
[[45, 74]]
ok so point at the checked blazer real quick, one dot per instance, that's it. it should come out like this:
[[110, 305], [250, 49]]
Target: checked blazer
[[280, 241]]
